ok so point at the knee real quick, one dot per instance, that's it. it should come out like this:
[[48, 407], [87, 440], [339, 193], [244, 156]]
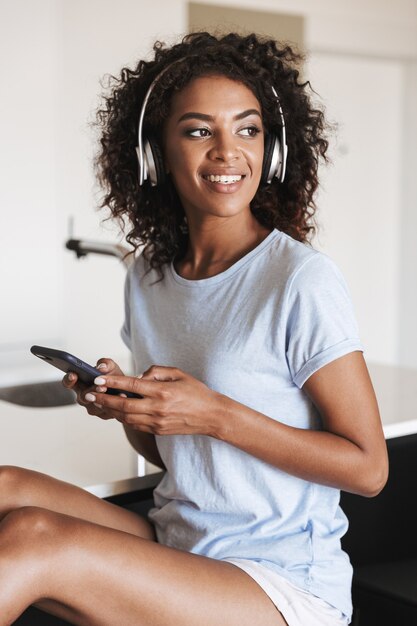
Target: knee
[[29, 523], [16, 487], [10, 478], [14, 483]]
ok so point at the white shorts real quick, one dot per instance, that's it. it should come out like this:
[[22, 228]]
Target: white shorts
[[298, 607]]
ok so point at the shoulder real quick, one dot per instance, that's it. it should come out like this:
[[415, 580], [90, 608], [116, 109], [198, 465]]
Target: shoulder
[[305, 277], [137, 269], [138, 264], [299, 263]]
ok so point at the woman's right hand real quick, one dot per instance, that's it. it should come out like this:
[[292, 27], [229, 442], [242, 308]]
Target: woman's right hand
[[70, 381]]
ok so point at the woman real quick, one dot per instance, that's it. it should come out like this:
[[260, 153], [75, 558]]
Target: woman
[[255, 395]]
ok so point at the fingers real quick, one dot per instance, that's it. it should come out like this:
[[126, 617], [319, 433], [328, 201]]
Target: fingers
[[93, 407], [95, 410], [149, 384], [108, 366], [70, 380], [135, 412], [128, 384], [119, 404], [162, 373], [130, 411]]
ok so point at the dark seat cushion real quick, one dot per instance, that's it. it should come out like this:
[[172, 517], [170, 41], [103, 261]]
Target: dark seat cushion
[[384, 528], [397, 579], [34, 617]]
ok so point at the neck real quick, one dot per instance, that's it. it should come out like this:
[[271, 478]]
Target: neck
[[217, 244]]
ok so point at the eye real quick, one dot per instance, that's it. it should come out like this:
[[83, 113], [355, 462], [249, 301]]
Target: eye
[[250, 131], [198, 132]]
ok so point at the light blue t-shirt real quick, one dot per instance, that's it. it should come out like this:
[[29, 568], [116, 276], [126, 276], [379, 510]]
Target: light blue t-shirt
[[255, 333]]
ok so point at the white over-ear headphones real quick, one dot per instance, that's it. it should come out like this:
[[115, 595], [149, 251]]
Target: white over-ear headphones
[[150, 158]]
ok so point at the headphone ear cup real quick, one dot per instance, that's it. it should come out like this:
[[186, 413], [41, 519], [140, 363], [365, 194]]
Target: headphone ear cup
[[272, 163], [268, 152], [154, 161]]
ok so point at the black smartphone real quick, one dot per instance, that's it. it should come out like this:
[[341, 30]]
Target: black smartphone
[[67, 362]]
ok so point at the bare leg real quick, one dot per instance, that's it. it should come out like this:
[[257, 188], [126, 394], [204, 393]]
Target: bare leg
[[105, 577], [21, 487]]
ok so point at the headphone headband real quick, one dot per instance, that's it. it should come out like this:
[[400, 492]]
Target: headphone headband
[[150, 159], [143, 165]]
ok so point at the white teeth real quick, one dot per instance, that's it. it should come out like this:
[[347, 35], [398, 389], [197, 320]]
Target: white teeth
[[225, 180]]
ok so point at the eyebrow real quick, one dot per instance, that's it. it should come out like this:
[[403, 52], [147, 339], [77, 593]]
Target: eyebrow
[[210, 118]]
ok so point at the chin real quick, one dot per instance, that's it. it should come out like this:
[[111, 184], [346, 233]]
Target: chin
[[227, 206], [226, 211]]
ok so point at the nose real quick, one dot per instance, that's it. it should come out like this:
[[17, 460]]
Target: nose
[[224, 148]]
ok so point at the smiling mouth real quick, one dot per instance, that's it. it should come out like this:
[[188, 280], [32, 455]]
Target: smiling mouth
[[223, 179]]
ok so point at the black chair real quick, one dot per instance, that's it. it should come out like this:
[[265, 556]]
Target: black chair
[[382, 543]]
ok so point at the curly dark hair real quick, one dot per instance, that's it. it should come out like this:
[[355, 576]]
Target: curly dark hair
[[155, 215]]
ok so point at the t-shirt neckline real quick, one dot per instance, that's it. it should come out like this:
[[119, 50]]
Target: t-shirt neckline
[[211, 280]]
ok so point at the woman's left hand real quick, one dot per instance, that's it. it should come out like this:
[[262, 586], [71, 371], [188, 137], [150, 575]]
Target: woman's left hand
[[173, 402]]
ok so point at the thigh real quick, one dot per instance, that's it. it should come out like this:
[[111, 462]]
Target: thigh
[[21, 487], [104, 576]]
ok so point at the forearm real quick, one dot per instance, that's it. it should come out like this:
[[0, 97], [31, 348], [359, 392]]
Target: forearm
[[317, 456], [144, 444]]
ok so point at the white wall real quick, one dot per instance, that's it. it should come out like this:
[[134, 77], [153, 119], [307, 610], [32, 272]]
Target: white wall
[[360, 196], [31, 264], [408, 256]]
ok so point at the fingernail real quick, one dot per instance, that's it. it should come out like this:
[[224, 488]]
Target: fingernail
[[71, 376], [102, 366], [100, 381], [140, 376], [90, 397], [99, 406], [100, 389]]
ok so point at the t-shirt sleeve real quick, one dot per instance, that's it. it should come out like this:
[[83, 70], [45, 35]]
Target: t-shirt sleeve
[[125, 330], [321, 324]]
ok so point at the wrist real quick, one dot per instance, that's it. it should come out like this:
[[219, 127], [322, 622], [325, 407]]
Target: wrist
[[221, 417]]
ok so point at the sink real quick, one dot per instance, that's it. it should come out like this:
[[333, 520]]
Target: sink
[[43, 394]]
